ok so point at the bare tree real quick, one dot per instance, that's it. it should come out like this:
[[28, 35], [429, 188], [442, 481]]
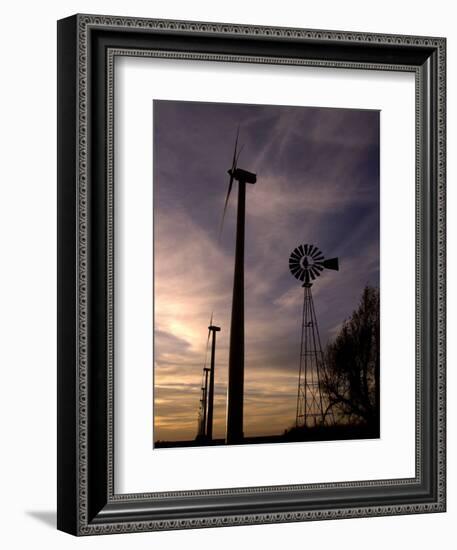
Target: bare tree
[[352, 365]]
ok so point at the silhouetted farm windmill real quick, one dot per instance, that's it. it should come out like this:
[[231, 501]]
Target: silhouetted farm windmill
[[235, 388], [306, 263]]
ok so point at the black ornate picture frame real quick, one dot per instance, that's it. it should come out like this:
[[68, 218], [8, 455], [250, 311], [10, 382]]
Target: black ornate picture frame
[[87, 47]]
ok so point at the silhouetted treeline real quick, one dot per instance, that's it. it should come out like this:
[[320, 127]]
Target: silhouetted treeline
[[352, 365]]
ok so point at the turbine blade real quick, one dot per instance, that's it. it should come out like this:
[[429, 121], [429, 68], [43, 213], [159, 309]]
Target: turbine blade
[[331, 264], [234, 160], [229, 190], [237, 157]]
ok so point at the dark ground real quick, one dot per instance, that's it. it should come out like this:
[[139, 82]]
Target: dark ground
[[318, 433]]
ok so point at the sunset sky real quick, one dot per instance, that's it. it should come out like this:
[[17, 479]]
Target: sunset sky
[[318, 183]]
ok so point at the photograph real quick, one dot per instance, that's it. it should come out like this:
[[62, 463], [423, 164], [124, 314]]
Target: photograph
[[266, 276]]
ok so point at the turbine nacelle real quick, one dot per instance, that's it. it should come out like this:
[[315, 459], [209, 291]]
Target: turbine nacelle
[[242, 175]]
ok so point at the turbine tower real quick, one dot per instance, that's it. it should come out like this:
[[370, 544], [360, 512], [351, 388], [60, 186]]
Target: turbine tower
[[206, 408], [306, 263], [209, 426], [235, 390], [201, 434]]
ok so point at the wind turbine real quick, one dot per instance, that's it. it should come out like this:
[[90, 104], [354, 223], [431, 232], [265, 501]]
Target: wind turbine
[[206, 409], [212, 329], [235, 388]]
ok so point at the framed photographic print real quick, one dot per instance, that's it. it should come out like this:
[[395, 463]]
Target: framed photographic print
[[251, 274]]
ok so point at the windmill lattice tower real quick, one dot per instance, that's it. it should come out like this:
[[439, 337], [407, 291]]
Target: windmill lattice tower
[[306, 263]]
